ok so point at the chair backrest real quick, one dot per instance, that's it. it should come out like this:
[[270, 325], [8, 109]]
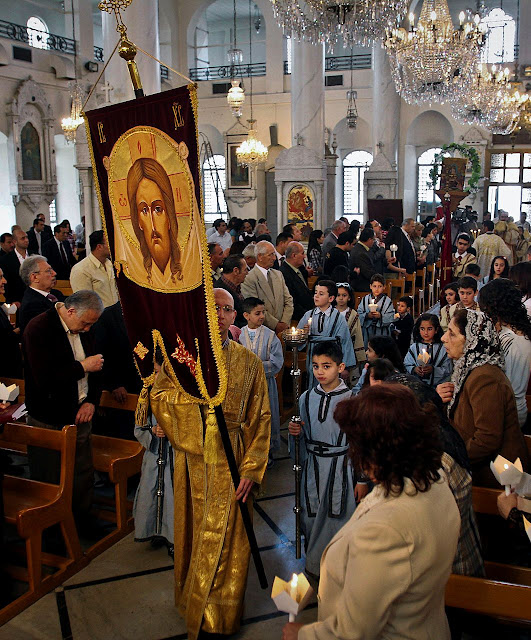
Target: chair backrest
[[64, 287], [20, 384], [107, 401]]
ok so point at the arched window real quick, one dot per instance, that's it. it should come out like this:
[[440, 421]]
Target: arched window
[[214, 184], [37, 33], [501, 38], [355, 165], [427, 200]]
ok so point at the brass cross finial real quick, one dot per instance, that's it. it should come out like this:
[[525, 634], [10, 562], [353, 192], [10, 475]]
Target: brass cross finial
[[115, 6]]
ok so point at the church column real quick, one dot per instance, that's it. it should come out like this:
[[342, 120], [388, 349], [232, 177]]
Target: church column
[[84, 31], [307, 95], [142, 21], [89, 201]]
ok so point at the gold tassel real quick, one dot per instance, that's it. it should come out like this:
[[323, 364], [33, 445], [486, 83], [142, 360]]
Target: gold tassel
[[211, 437], [141, 413]]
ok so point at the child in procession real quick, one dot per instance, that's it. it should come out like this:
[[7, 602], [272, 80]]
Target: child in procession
[[403, 324], [427, 358], [344, 299], [330, 487], [325, 323], [451, 296], [376, 322], [145, 511], [264, 343]]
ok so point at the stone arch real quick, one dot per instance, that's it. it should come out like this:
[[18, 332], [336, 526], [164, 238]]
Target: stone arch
[[430, 129]]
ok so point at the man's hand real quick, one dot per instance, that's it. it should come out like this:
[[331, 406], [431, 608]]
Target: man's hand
[[244, 489], [445, 391], [4, 405], [281, 326], [357, 270], [120, 395], [85, 412], [360, 491], [309, 271], [391, 260], [506, 503], [93, 363], [290, 631], [295, 428], [157, 431]]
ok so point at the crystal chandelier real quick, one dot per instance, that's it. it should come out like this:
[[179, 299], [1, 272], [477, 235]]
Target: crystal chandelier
[[236, 95], [489, 101], [251, 151], [69, 125], [433, 61], [325, 21]]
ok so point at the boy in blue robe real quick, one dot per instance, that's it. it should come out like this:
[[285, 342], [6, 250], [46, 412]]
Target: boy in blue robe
[[378, 321], [325, 323], [329, 487], [264, 343]]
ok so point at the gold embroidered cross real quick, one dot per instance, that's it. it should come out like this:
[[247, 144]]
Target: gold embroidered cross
[[140, 350]]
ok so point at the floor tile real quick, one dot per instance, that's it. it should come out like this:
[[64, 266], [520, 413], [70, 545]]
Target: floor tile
[[38, 622]]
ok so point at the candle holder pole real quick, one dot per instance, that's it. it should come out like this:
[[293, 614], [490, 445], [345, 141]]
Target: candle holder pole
[[294, 339]]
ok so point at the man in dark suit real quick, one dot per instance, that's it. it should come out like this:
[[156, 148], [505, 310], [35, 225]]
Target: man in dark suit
[[7, 244], [10, 265], [296, 279], [360, 261], [407, 257], [38, 236], [338, 255], [39, 296], [11, 359], [47, 227], [234, 273], [59, 253], [62, 372]]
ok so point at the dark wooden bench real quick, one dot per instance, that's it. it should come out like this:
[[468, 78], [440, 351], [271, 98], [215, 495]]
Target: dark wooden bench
[[120, 459], [34, 506]]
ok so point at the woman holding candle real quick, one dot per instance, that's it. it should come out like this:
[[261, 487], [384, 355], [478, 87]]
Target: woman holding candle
[[427, 358], [384, 573], [481, 403]]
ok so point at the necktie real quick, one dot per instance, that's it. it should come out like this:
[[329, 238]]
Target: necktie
[[270, 279], [51, 298], [300, 276], [281, 259], [320, 322], [63, 253]]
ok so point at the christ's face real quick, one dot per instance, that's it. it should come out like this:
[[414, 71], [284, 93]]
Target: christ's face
[[153, 222]]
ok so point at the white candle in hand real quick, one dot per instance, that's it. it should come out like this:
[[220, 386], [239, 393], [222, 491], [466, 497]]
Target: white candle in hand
[[293, 593]]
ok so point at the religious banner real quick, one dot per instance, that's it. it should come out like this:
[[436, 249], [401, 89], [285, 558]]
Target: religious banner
[[300, 208], [145, 156]]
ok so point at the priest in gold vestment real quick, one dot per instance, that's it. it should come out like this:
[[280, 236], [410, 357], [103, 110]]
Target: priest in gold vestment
[[211, 547]]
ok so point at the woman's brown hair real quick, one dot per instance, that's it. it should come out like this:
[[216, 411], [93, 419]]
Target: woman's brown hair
[[391, 436]]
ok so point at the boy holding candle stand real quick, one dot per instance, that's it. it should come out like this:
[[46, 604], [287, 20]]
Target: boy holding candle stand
[[376, 311], [330, 486]]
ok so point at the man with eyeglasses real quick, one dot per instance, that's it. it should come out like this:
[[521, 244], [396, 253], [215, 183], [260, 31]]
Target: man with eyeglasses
[[39, 278], [212, 541], [463, 255]]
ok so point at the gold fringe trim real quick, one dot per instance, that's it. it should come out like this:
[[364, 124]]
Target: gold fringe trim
[[212, 438]]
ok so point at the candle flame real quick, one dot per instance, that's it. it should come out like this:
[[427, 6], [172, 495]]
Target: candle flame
[[294, 581], [505, 466]]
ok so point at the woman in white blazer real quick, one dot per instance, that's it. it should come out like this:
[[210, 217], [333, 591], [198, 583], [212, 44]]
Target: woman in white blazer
[[384, 574]]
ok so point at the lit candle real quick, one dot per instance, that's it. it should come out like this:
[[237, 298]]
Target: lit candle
[[292, 331], [394, 249], [293, 593]]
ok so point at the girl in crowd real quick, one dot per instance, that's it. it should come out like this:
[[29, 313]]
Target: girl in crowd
[[499, 268], [451, 296], [481, 404], [343, 302], [384, 573], [379, 369], [501, 301], [520, 274], [434, 367], [315, 255], [380, 347]]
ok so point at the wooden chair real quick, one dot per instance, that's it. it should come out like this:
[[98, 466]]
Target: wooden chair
[[20, 384], [400, 285], [120, 459], [311, 282], [421, 289], [34, 506], [358, 297], [64, 287]]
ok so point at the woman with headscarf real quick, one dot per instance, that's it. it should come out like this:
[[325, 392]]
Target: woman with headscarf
[[455, 462], [481, 403]]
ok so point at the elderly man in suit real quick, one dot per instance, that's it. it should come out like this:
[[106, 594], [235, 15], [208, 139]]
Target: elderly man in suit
[[63, 386], [39, 278], [10, 265], [268, 284], [360, 260], [331, 239], [296, 280], [59, 253]]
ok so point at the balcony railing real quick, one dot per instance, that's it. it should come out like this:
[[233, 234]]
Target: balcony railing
[[36, 38], [226, 72], [342, 63]]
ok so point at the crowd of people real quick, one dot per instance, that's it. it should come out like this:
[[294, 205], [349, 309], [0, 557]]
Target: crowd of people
[[400, 414]]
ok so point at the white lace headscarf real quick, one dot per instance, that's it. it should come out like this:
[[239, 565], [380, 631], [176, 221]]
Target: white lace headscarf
[[482, 346]]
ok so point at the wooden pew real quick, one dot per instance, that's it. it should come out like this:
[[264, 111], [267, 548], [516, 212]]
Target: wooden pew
[[20, 384], [121, 459], [64, 287], [34, 506]]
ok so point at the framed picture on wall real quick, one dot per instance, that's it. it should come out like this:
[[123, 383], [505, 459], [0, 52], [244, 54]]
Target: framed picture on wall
[[238, 176]]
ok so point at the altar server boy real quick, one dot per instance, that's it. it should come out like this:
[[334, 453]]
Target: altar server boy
[[329, 487], [376, 311], [325, 323], [264, 343]]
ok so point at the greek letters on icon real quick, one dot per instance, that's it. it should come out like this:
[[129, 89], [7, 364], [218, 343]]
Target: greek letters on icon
[[177, 115], [100, 132]]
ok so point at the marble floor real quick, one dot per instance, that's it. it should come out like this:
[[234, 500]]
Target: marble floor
[[127, 592]]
